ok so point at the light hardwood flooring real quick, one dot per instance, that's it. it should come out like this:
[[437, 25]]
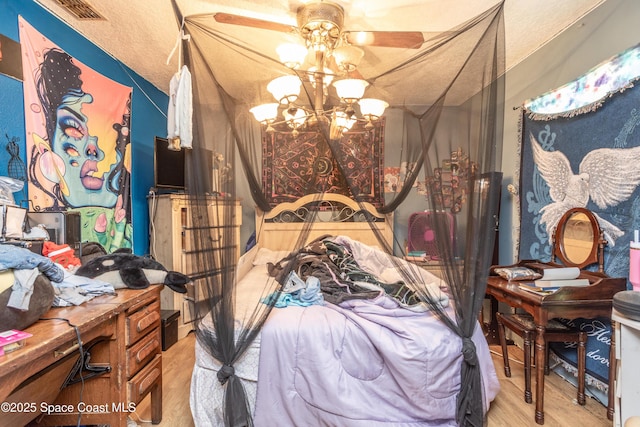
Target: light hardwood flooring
[[508, 409]]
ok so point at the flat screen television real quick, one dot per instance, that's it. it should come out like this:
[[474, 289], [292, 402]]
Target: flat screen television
[[168, 167]]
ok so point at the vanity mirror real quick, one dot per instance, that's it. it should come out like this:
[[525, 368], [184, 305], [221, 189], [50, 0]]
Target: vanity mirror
[[578, 240]]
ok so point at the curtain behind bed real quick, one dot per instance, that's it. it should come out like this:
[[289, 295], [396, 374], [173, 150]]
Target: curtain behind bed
[[450, 144]]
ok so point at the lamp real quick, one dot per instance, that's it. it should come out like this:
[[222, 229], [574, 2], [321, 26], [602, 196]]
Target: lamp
[[322, 37], [292, 55], [348, 57], [285, 89], [266, 114], [372, 109]]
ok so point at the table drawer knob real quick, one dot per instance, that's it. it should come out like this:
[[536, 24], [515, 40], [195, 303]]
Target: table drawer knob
[[149, 348], [147, 321], [148, 381], [62, 353]]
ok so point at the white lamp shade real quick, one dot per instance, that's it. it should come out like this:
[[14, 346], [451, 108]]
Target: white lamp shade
[[292, 55], [265, 113], [350, 89], [295, 117], [340, 123], [285, 89], [372, 108], [343, 121], [348, 57]]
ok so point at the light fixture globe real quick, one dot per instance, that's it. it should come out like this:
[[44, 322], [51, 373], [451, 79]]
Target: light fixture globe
[[285, 89], [372, 108], [292, 55], [295, 118], [348, 57], [340, 123], [350, 90], [265, 113]]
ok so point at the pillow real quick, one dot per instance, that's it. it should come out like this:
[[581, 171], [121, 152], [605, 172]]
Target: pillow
[[517, 273], [265, 256]]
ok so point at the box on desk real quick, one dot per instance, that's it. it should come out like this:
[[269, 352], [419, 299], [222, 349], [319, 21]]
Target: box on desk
[[169, 328], [12, 340]]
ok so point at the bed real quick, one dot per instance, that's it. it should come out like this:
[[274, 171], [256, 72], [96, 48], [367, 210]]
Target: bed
[[365, 361]]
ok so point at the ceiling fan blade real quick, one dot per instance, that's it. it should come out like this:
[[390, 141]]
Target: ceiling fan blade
[[404, 39], [227, 18]]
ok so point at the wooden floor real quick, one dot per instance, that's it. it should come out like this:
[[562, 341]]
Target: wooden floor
[[508, 409]]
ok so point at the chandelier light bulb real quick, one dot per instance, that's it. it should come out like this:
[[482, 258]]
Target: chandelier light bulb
[[265, 113], [285, 89], [350, 89], [295, 117], [340, 123], [371, 108], [292, 55], [348, 57]]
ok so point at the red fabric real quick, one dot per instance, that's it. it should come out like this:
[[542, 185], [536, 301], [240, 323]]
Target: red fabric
[[61, 254]]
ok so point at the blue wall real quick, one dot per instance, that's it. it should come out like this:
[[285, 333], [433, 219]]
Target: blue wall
[[147, 119]]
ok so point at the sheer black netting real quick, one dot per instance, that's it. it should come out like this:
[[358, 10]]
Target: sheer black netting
[[444, 133]]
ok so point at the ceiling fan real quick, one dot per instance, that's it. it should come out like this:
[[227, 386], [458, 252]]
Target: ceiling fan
[[329, 18], [320, 24]]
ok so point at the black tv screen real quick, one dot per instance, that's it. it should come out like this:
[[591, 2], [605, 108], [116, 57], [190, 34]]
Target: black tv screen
[[168, 166]]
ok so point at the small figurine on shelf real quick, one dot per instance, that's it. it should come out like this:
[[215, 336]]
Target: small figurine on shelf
[[221, 175]]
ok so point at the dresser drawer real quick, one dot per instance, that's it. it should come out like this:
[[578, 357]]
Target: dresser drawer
[[143, 381], [142, 321], [143, 351]]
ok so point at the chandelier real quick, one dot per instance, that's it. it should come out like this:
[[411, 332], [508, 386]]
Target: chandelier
[[320, 26]]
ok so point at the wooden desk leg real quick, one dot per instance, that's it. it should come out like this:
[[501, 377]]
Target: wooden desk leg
[[156, 398], [156, 403], [491, 327], [612, 372], [541, 353]]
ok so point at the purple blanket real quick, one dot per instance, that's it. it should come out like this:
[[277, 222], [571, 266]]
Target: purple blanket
[[364, 363]]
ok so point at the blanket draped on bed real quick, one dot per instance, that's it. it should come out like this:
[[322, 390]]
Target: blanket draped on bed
[[362, 363], [341, 277]]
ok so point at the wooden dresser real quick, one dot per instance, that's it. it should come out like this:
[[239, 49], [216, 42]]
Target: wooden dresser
[[170, 243], [121, 332]]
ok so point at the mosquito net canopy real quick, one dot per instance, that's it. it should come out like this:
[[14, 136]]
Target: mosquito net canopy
[[442, 129]]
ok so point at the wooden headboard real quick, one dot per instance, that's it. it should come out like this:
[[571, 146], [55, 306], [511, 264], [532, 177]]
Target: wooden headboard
[[336, 215]]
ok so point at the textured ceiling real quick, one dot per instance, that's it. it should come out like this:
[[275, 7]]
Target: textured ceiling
[[142, 34]]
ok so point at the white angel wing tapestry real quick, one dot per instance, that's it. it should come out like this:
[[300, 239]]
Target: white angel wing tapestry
[[584, 155]]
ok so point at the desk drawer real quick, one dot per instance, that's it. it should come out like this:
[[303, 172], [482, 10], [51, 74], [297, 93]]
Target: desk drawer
[[143, 351], [142, 321], [143, 382]]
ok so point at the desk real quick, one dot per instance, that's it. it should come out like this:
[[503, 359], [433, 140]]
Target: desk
[[591, 301], [126, 328]]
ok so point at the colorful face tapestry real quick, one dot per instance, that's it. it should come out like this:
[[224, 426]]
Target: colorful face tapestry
[[305, 164], [77, 127]]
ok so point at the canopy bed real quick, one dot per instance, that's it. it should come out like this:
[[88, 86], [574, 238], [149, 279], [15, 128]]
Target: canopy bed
[[367, 359], [320, 152]]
